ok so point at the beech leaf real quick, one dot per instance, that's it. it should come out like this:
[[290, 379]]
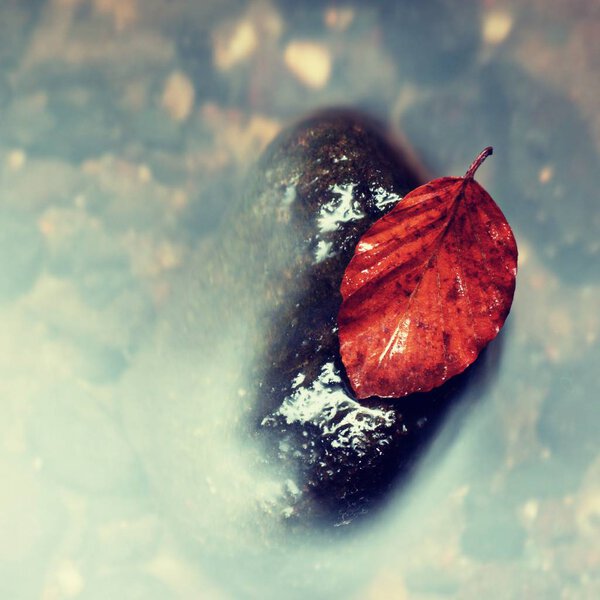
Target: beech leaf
[[429, 286]]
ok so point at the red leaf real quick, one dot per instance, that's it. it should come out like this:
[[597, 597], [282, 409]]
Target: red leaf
[[429, 286]]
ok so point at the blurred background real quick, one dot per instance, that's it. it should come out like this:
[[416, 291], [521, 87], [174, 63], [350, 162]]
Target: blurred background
[[128, 128]]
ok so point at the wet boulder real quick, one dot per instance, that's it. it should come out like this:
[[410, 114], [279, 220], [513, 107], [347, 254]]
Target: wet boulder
[[239, 406]]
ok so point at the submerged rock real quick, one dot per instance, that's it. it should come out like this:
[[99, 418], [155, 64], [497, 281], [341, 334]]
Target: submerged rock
[[318, 188], [239, 406]]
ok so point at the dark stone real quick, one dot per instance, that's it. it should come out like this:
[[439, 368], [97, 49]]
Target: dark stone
[[239, 405], [345, 453]]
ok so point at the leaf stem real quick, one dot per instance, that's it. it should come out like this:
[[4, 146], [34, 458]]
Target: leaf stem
[[477, 162]]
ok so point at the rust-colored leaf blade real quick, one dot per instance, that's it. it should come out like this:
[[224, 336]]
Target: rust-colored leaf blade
[[429, 286]]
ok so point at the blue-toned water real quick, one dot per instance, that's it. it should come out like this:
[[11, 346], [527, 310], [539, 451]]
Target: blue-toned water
[[128, 131]]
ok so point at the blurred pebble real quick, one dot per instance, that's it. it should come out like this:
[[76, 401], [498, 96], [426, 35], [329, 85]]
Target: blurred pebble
[[234, 44], [67, 38], [241, 136], [339, 18], [144, 174], [16, 159], [530, 510], [123, 13], [545, 175], [310, 62], [497, 25], [178, 96], [69, 579]]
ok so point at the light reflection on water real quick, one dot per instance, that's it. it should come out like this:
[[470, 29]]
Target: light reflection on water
[[126, 463]]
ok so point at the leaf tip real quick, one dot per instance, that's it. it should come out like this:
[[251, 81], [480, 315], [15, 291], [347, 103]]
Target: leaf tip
[[488, 151]]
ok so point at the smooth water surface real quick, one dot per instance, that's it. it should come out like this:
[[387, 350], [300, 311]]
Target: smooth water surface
[[128, 129]]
